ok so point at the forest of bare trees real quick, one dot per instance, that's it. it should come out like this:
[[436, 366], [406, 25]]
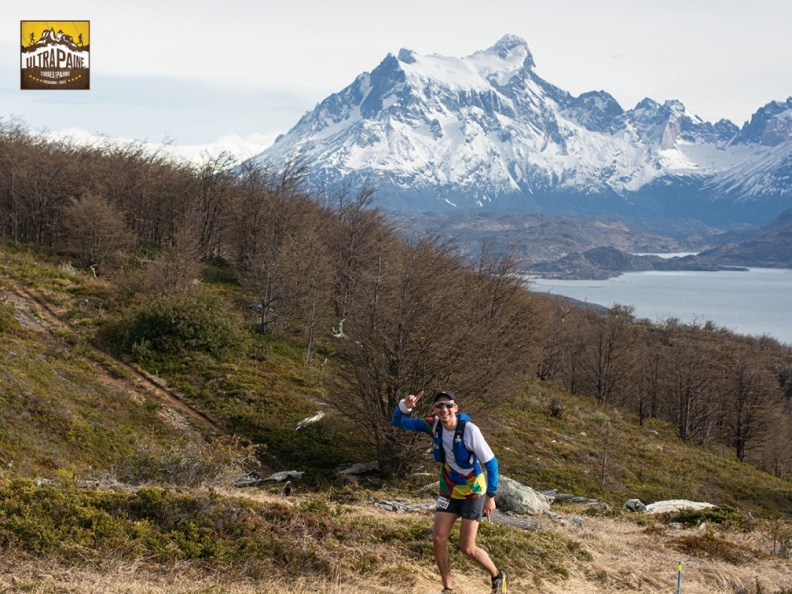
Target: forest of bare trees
[[714, 386], [406, 315]]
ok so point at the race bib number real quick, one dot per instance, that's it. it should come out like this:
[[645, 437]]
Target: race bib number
[[443, 502]]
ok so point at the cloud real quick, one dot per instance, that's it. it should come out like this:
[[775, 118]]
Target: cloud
[[153, 108]]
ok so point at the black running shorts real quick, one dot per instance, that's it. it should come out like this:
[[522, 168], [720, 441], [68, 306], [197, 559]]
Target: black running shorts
[[469, 509]]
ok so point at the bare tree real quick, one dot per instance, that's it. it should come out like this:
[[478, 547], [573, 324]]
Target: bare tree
[[647, 402], [571, 342], [37, 177], [550, 368], [610, 357], [179, 264], [17, 160], [254, 249], [213, 194], [95, 229], [748, 401], [692, 372], [267, 207], [609, 443], [307, 288], [506, 324], [353, 240], [775, 455], [425, 321]]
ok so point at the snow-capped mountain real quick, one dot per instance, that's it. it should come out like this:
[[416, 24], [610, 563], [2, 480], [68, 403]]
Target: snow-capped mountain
[[435, 132]]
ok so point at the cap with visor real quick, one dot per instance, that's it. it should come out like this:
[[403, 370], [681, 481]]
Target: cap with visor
[[447, 393]]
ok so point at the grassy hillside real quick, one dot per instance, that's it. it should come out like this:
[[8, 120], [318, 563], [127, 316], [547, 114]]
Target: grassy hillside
[[117, 465], [606, 454], [74, 396]]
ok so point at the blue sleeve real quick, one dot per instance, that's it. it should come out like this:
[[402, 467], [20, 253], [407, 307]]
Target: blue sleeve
[[402, 421], [492, 475]]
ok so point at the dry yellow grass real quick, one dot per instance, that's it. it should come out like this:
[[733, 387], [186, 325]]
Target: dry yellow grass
[[629, 558], [624, 557]]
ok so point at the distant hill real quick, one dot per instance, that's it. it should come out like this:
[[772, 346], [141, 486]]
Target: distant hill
[[535, 238], [767, 247]]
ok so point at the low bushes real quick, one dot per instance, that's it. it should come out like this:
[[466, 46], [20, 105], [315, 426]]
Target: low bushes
[[165, 526], [190, 320], [7, 319], [241, 536]]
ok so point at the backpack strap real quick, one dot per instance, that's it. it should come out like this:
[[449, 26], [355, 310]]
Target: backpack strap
[[459, 436], [438, 436]]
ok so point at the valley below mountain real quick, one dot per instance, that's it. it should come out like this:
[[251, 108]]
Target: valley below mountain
[[579, 248]]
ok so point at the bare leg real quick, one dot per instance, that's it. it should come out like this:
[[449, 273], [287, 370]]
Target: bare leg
[[467, 543], [443, 524]]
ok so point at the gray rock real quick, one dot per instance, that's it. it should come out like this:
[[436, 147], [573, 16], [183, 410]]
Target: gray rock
[[405, 505], [566, 521], [516, 522], [310, 420], [286, 475], [555, 496], [516, 497], [253, 478], [359, 468], [673, 505], [635, 505]]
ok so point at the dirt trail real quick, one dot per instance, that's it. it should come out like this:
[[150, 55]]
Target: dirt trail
[[39, 315]]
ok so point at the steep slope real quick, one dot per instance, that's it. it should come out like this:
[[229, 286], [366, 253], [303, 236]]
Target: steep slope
[[437, 133], [68, 406]]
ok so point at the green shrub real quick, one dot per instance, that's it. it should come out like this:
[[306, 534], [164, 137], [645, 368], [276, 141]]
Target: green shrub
[[187, 321], [710, 546], [7, 318], [723, 514], [163, 526], [62, 521], [183, 464]]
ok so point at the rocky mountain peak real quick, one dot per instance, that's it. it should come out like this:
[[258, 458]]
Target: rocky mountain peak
[[509, 45], [434, 132], [407, 56], [771, 125]]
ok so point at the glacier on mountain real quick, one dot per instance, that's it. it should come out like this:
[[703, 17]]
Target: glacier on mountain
[[433, 132]]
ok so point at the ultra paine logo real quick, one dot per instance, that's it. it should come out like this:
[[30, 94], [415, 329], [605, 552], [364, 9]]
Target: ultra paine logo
[[56, 55]]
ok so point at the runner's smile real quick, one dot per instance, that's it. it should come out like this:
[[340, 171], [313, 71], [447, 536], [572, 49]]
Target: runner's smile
[[445, 411]]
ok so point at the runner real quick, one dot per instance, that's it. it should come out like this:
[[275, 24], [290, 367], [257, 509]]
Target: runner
[[464, 490]]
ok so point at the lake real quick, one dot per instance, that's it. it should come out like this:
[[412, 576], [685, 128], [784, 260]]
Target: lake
[[756, 302]]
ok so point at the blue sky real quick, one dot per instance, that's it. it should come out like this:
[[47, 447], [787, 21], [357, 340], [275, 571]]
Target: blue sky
[[194, 72]]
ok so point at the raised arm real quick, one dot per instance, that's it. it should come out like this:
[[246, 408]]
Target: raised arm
[[402, 421]]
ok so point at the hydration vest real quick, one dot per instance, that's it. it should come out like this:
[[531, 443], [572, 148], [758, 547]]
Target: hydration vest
[[463, 456]]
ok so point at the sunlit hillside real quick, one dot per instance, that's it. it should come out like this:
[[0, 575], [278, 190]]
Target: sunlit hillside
[[169, 334]]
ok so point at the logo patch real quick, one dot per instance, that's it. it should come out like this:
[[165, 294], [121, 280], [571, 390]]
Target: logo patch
[[55, 55]]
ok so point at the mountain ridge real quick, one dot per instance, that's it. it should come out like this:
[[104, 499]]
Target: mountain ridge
[[485, 131]]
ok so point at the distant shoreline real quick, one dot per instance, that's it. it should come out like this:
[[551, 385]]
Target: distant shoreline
[[753, 303]]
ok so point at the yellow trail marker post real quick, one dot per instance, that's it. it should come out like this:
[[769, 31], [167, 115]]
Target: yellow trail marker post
[[679, 578]]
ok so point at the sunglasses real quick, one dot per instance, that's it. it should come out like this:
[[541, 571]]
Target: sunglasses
[[441, 405]]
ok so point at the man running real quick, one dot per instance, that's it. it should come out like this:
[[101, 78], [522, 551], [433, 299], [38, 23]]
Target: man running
[[464, 490]]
